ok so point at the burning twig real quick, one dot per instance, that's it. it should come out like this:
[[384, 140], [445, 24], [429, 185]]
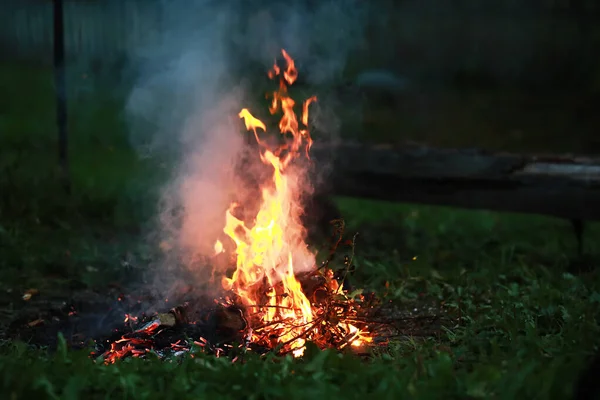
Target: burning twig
[[348, 262], [338, 234]]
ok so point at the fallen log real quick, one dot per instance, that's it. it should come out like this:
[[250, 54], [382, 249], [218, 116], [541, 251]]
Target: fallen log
[[560, 186]]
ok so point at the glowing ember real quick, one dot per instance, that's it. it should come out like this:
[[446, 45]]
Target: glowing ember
[[130, 318]]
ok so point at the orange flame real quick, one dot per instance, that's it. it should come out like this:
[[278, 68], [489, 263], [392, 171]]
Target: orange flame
[[269, 251]]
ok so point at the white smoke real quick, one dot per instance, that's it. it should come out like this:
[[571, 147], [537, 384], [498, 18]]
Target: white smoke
[[194, 76]]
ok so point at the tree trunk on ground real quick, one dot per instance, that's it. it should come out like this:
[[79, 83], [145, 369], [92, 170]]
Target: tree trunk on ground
[[559, 186]]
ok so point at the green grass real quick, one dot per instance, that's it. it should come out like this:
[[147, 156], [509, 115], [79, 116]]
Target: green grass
[[522, 326], [102, 164], [523, 323], [497, 120], [43, 231]]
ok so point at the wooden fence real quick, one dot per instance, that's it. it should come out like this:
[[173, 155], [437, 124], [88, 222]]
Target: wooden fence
[[93, 29], [423, 37]]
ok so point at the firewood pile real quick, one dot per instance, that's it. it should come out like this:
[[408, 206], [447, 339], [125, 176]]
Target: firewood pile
[[115, 326]]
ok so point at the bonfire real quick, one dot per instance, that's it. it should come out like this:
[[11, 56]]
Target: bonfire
[[277, 298]]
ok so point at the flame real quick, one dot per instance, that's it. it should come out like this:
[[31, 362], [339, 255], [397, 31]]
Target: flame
[[218, 247], [272, 247], [269, 250]]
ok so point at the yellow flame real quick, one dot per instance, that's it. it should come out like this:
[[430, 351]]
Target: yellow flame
[[218, 247], [267, 248]]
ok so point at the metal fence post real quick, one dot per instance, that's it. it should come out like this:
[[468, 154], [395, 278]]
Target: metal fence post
[[61, 92]]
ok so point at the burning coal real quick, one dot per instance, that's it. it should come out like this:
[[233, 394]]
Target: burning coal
[[276, 298]]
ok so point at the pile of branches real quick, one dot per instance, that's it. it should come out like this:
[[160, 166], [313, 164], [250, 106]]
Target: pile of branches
[[226, 328], [119, 326], [229, 328]]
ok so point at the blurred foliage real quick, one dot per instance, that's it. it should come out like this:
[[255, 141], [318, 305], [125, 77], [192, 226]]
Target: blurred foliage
[[109, 181]]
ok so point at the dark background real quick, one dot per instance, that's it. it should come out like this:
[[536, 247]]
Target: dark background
[[506, 75]]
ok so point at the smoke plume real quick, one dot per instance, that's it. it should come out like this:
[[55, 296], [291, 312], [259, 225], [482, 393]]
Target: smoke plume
[[205, 62]]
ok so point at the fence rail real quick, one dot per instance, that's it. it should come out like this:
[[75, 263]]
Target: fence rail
[[559, 186]]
